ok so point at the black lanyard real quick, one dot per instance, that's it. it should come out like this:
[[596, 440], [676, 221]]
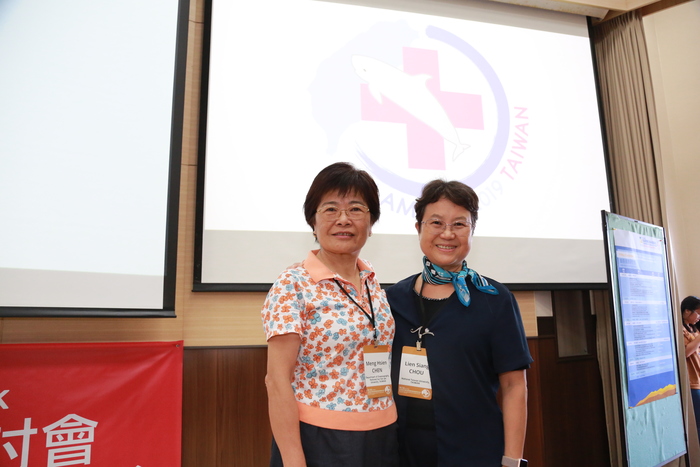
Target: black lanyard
[[371, 308], [423, 330]]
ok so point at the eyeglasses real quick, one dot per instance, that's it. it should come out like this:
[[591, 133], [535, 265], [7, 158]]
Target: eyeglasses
[[354, 212], [437, 226]]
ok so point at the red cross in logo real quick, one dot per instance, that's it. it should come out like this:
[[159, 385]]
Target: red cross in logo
[[426, 147]]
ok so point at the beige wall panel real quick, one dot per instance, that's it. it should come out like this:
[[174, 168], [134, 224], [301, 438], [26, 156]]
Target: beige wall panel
[[36, 330], [216, 319], [672, 36], [224, 318], [185, 245], [197, 11], [192, 91], [526, 302]]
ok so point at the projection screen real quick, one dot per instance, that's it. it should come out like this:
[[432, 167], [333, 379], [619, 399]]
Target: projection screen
[[498, 96], [90, 139]]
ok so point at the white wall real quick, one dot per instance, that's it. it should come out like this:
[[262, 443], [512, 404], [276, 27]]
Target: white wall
[[673, 38]]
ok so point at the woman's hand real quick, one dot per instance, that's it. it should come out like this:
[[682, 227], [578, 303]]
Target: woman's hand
[[692, 346]]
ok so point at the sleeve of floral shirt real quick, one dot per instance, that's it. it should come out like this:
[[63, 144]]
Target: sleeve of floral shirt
[[283, 310]]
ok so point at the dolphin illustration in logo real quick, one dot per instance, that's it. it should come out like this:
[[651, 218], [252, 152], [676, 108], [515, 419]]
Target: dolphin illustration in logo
[[410, 93]]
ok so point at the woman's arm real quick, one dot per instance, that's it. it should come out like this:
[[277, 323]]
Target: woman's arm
[[284, 416], [514, 392], [692, 346]]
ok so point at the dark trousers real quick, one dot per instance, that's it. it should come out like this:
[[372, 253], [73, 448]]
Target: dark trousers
[[418, 448], [324, 447]]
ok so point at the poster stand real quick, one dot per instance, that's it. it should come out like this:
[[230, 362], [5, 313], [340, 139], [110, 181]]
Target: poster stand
[[645, 343]]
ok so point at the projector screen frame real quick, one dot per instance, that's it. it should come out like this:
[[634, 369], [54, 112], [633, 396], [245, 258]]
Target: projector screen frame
[[200, 286], [172, 207]]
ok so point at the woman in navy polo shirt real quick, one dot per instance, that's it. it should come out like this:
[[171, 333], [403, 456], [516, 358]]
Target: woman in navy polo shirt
[[459, 338]]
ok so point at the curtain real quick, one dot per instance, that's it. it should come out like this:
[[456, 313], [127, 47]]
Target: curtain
[[630, 120]]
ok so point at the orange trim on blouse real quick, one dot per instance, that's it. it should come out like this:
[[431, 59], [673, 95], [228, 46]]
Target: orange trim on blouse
[[351, 421]]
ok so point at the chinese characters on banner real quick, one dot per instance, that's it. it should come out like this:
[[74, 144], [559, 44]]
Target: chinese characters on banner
[[91, 404]]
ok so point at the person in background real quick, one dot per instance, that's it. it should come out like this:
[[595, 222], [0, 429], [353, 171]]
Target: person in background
[[690, 312], [459, 338], [327, 324]]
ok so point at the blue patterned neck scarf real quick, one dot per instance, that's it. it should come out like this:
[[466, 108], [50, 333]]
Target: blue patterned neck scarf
[[434, 274]]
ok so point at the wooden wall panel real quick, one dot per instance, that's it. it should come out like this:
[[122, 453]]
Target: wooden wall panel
[[243, 428], [199, 408], [224, 414], [573, 416], [534, 441]]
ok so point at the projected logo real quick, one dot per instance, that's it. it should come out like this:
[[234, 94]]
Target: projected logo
[[434, 109]]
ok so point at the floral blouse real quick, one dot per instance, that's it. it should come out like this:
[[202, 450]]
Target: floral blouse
[[329, 371]]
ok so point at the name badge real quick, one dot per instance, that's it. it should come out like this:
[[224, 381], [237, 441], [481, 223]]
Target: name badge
[[377, 371], [414, 375]]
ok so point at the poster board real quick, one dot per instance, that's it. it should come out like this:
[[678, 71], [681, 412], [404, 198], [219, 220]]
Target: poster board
[[644, 330]]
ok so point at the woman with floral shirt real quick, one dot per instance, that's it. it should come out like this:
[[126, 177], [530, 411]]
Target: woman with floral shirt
[[329, 332]]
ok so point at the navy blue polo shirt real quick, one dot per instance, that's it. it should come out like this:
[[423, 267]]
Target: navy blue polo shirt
[[471, 346]]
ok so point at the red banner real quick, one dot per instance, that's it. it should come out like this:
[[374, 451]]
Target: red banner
[[111, 404]]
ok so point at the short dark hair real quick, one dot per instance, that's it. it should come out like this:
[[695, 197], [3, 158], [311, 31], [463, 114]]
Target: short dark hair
[[345, 179], [454, 191]]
